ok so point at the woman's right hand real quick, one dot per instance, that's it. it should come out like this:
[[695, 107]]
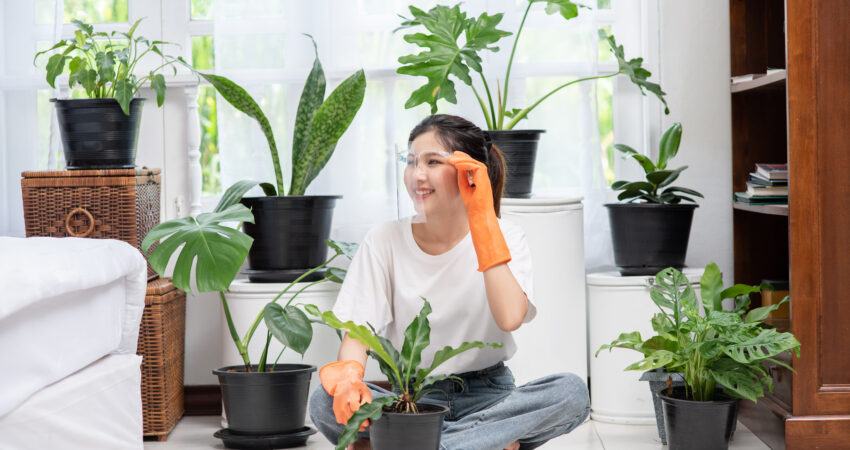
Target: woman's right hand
[[344, 381]]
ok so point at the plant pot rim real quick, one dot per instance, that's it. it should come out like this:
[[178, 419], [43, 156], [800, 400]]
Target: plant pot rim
[[92, 100], [295, 197], [518, 130], [288, 368], [440, 409], [651, 205], [727, 400]]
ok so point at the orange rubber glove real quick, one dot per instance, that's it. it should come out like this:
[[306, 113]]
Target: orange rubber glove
[[487, 238], [344, 381]]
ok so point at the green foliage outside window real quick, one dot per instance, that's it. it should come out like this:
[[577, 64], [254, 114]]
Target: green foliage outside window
[[203, 58]]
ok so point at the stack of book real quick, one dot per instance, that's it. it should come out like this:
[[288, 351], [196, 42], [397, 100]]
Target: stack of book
[[768, 185]]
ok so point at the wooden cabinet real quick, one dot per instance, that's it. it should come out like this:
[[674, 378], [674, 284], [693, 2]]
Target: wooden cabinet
[[803, 118]]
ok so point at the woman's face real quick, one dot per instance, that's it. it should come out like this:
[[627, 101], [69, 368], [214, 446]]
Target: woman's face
[[430, 180]]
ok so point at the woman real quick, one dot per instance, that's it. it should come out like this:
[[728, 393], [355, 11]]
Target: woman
[[455, 177]]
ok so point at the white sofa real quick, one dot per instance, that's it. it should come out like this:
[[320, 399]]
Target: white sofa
[[69, 319]]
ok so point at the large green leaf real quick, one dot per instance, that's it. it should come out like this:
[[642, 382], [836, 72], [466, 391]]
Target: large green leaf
[[767, 344], [443, 56], [234, 193], [632, 68], [669, 144], [349, 249], [447, 353], [711, 286], [654, 360], [386, 368], [372, 411], [737, 379], [417, 336], [289, 325], [362, 335], [243, 102], [565, 8], [217, 251], [759, 314], [311, 98], [124, 94], [646, 163], [330, 122]]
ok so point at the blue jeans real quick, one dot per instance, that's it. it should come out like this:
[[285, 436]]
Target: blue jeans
[[487, 411]]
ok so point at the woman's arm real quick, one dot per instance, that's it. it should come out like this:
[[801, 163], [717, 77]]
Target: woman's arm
[[351, 348], [508, 303]]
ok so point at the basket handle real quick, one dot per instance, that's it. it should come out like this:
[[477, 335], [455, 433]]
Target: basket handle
[[68, 222]]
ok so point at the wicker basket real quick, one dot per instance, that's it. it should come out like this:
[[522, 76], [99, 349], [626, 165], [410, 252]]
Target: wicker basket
[[161, 344], [106, 204]]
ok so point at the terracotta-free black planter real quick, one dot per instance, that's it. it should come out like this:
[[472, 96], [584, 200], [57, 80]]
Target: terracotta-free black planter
[[96, 134], [520, 150], [421, 431], [649, 237], [693, 425], [265, 403], [289, 234], [657, 379]]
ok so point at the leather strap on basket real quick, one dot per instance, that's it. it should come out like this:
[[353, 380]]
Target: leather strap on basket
[[68, 222]]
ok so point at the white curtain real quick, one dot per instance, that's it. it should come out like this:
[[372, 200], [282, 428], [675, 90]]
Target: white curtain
[[259, 44]]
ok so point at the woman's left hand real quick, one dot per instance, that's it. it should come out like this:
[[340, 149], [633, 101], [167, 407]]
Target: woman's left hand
[[487, 238]]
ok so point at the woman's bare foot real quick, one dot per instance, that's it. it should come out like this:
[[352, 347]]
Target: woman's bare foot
[[514, 446], [364, 444]]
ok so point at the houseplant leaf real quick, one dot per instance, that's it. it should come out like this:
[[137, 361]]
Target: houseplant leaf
[[349, 249], [669, 144], [362, 335], [217, 250], [646, 163], [311, 98], [331, 120], [243, 102], [632, 68], [711, 286], [289, 325], [447, 353], [372, 411], [417, 336], [768, 343]]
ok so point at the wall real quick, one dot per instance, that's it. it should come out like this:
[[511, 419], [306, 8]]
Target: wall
[[695, 70]]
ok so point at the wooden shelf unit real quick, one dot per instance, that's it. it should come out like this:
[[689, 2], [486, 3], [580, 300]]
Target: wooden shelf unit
[[800, 116]]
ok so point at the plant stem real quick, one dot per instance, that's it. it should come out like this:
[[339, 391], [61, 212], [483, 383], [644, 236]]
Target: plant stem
[[525, 111], [261, 366], [278, 357], [247, 338], [508, 74], [490, 124], [243, 350], [489, 97]]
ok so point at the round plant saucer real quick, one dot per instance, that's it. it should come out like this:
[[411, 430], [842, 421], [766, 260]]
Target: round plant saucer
[[246, 441], [282, 275]]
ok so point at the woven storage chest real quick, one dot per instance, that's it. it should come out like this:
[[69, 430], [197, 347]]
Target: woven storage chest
[[106, 204], [161, 345]]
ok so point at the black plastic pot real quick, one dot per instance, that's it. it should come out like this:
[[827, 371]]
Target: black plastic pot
[[96, 134], [693, 425], [649, 237], [520, 150], [266, 403], [421, 431], [657, 379], [289, 233]]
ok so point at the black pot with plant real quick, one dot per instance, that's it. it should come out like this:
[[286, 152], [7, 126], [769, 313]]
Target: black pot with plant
[[651, 226], [101, 131], [400, 420], [265, 403], [290, 230], [443, 56], [712, 348]]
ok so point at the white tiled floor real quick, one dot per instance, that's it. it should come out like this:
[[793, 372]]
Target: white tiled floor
[[197, 433]]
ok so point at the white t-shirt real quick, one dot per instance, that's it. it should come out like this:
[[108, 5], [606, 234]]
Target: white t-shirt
[[390, 273]]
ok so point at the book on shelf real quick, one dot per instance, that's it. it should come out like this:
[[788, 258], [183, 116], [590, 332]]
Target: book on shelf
[[772, 171], [743, 197], [758, 190], [755, 178]]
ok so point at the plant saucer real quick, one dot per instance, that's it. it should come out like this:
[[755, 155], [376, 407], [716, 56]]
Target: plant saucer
[[246, 441]]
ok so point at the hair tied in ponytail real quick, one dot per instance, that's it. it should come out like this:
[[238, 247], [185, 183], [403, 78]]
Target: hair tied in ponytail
[[488, 144]]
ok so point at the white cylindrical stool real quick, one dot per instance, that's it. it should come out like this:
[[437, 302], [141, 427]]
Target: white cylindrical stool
[[246, 300], [621, 304], [555, 341]]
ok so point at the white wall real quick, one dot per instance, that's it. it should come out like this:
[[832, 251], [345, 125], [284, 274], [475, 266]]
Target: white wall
[[695, 70]]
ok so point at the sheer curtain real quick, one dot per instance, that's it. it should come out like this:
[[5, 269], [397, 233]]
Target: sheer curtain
[[260, 45]]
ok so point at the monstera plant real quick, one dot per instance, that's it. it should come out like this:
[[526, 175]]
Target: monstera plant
[[290, 231], [211, 252], [445, 58], [408, 377], [711, 347]]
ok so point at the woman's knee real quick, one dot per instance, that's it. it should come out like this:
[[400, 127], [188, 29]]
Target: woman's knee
[[572, 392], [320, 404]]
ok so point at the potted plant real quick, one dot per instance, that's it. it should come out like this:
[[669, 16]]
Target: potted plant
[[290, 230], [444, 58], [394, 417], [266, 401], [712, 348], [651, 225], [101, 131]]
